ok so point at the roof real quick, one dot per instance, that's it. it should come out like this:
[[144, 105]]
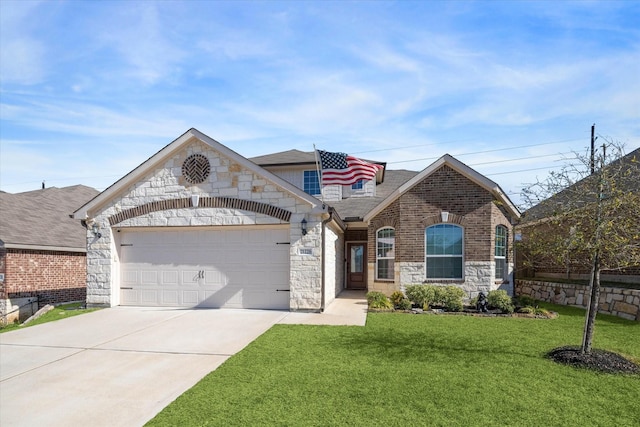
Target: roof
[[90, 208], [40, 219], [357, 207], [283, 158], [303, 158], [459, 167], [628, 181]]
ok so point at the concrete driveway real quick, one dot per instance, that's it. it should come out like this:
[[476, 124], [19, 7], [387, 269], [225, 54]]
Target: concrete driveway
[[118, 366]]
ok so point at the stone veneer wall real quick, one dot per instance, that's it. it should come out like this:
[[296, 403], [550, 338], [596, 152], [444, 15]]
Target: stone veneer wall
[[227, 179], [619, 302]]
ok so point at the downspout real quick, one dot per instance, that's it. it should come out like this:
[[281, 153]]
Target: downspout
[[322, 267]]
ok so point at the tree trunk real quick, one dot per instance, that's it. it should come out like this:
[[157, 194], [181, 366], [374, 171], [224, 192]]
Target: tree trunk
[[592, 309]]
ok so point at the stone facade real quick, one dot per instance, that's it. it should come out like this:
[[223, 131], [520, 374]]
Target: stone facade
[[227, 179], [619, 302], [35, 278], [469, 206]]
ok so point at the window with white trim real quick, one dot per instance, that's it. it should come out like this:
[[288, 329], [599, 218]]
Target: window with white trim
[[500, 254], [385, 253], [311, 184], [359, 185], [444, 251]]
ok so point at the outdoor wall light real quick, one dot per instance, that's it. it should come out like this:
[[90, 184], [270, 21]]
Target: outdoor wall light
[[303, 226], [95, 229]]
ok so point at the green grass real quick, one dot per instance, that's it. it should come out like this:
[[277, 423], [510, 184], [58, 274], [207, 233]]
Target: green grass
[[59, 312], [404, 369]]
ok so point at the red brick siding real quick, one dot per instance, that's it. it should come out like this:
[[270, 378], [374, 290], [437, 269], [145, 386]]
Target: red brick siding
[[50, 275], [470, 206]]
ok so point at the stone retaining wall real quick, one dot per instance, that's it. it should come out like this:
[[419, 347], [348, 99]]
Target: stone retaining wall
[[619, 302]]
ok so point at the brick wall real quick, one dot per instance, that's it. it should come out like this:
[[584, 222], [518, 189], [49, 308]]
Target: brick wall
[[471, 206], [51, 276]]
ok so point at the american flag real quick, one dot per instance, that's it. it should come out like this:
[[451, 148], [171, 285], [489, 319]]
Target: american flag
[[339, 168]]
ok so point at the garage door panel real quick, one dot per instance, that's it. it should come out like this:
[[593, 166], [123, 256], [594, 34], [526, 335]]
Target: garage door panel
[[225, 267]]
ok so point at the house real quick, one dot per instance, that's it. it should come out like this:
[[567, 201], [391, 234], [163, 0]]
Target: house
[[42, 249], [197, 224], [535, 218]]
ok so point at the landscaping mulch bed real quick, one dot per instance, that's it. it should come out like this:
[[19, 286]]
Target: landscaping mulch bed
[[599, 360]]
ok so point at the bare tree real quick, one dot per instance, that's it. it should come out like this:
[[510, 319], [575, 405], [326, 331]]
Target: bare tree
[[586, 220]]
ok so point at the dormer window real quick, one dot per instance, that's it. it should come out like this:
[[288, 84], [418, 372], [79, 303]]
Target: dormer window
[[358, 185], [311, 182]]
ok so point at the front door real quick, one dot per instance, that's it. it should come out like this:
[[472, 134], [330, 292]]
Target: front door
[[356, 268]]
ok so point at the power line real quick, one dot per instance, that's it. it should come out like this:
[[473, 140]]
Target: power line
[[486, 151], [521, 158]]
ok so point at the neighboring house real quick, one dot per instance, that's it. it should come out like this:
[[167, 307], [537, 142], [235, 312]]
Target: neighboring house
[[200, 225], [628, 179], [42, 249]]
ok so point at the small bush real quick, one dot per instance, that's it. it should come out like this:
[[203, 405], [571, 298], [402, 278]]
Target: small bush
[[378, 300], [451, 298], [422, 295], [526, 301], [396, 297], [404, 304], [501, 300], [527, 310]]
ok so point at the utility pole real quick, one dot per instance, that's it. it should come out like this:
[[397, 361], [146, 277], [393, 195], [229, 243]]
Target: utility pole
[[593, 154]]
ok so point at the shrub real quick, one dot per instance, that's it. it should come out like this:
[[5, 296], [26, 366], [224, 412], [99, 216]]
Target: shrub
[[422, 295], [526, 301], [451, 298], [396, 298], [527, 310], [404, 304], [378, 300], [501, 300]]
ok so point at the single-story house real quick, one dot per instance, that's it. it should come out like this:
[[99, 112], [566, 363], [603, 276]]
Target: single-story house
[[42, 249], [199, 225], [536, 218]]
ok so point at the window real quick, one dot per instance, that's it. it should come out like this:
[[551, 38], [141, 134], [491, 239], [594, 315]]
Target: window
[[311, 183], [501, 252], [385, 253], [358, 185], [444, 251]]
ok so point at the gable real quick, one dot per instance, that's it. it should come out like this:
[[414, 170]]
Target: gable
[[462, 170], [166, 176]]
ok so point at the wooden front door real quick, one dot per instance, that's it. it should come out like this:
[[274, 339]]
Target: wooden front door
[[356, 266]]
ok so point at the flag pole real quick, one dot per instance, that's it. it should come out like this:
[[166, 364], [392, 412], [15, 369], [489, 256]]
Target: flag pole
[[315, 152]]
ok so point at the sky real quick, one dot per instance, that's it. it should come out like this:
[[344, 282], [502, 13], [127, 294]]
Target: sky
[[91, 89]]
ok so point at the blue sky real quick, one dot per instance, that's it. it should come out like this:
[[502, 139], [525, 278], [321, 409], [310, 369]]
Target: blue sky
[[89, 90]]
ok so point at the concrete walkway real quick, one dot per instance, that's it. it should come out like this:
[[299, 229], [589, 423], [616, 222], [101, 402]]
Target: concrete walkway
[[123, 365], [349, 308]]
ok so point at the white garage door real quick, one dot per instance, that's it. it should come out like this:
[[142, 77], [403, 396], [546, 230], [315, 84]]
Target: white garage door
[[232, 267]]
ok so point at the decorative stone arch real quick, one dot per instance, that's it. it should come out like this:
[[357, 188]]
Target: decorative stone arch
[[437, 219], [384, 222], [204, 202]]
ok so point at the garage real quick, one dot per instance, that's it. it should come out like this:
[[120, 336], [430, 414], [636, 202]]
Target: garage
[[213, 267]]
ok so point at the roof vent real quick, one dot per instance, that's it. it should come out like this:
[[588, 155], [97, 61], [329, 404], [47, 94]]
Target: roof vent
[[196, 168]]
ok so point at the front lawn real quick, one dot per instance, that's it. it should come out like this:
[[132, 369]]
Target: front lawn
[[59, 312], [404, 369]]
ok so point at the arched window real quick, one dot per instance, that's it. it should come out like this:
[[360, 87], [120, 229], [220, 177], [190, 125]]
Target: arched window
[[501, 252], [444, 250], [385, 253]]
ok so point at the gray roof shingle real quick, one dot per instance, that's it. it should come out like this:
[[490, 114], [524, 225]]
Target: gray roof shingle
[[41, 217], [357, 207]]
